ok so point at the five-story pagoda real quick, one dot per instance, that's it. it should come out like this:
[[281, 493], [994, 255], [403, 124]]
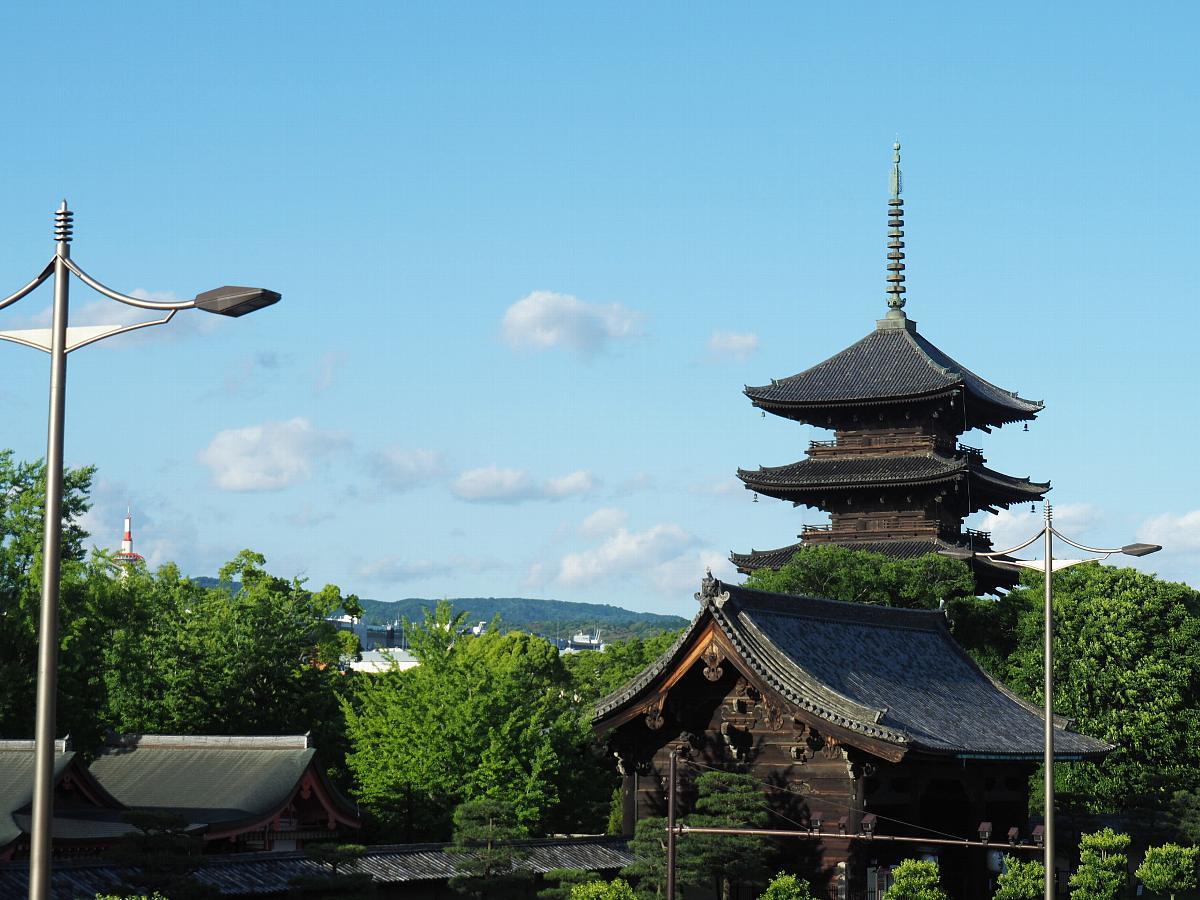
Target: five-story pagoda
[[895, 479]]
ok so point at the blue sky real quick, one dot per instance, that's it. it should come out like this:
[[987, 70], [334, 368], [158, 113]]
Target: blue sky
[[530, 254]]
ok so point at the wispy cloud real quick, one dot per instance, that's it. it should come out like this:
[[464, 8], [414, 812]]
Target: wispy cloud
[[494, 484], [1010, 527], [736, 345], [603, 521], [399, 469], [625, 552], [545, 319], [1177, 532], [270, 456], [325, 370], [395, 569]]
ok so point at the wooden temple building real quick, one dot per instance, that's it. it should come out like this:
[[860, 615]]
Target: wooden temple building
[[894, 479], [858, 720], [853, 717]]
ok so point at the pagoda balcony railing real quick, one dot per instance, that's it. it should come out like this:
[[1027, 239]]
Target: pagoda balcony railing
[[813, 445], [971, 453], [972, 536], [809, 529]]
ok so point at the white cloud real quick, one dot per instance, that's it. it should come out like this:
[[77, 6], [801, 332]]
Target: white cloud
[[681, 575], [625, 552], [572, 485], [732, 345], [494, 484], [1012, 526], [268, 457], [401, 469], [546, 319], [1176, 532], [603, 521]]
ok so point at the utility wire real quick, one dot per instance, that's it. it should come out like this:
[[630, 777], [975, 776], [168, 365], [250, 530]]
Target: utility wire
[[847, 806]]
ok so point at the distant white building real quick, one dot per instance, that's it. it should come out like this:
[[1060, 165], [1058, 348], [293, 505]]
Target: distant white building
[[382, 659]]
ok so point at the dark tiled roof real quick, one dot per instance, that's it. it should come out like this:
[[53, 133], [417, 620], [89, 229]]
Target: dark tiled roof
[[208, 780], [844, 473], [891, 364], [894, 675], [250, 874], [16, 783]]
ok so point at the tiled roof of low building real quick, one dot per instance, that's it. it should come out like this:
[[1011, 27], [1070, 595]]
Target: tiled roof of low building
[[251, 874], [893, 675], [207, 779]]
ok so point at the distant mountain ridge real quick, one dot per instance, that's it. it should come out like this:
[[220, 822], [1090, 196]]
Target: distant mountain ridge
[[546, 617]]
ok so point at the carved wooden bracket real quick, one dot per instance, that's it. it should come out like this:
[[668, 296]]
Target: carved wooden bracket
[[713, 657], [654, 715]]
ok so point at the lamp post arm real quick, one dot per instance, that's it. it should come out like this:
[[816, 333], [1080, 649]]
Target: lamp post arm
[[993, 554], [13, 298], [124, 298], [1107, 551]]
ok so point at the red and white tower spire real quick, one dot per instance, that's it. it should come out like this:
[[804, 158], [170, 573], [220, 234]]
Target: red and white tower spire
[[127, 556]]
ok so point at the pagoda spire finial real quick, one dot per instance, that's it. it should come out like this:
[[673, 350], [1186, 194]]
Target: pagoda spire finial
[[895, 264]]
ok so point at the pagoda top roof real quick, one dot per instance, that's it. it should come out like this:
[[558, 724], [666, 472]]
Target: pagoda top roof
[[834, 473], [893, 364], [886, 675]]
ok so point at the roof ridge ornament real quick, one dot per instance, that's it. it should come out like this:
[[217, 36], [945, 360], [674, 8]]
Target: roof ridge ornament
[[710, 591], [895, 256]]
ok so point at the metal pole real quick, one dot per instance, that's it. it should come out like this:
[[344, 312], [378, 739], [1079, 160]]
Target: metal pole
[[1048, 689], [671, 828], [47, 674]]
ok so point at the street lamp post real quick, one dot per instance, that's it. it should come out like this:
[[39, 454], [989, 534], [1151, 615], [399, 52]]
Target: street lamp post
[[59, 340], [1049, 565]]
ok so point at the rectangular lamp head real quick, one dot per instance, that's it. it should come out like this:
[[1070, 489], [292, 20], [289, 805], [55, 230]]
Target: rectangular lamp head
[[232, 300]]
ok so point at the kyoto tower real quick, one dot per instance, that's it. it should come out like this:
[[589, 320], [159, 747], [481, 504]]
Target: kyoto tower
[[127, 557]]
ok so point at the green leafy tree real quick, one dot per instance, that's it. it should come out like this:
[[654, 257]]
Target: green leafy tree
[[1169, 869], [86, 602], [595, 674], [838, 573], [161, 856], [648, 871], [1127, 670], [1021, 880], [557, 883], [786, 886], [916, 879], [603, 890], [726, 861], [491, 716], [483, 832], [1182, 816], [1103, 866], [261, 659]]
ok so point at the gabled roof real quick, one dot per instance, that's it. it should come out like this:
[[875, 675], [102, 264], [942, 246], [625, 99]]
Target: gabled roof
[[829, 473], [892, 364], [218, 781], [16, 796], [888, 675]]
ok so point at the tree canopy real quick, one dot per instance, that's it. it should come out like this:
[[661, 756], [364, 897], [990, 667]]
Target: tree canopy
[[1127, 670], [490, 716]]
